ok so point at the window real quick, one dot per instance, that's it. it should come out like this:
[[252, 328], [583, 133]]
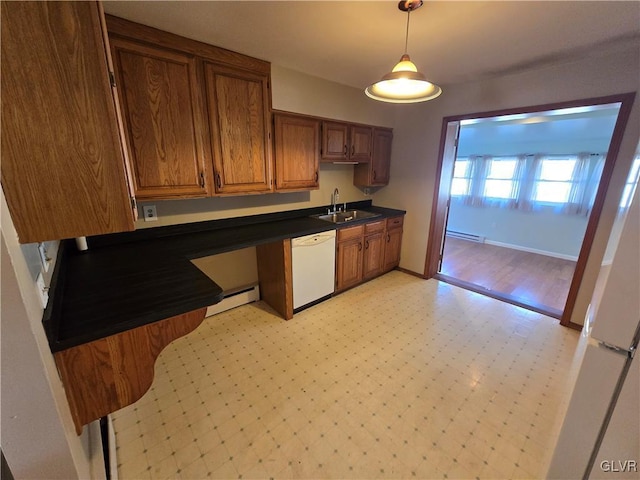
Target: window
[[554, 180], [461, 183], [632, 179], [501, 178]]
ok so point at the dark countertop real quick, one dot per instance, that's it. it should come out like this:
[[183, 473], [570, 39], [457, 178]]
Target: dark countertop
[[130, 279]]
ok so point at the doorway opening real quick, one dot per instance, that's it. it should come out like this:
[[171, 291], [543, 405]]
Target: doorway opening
[[519, 198]]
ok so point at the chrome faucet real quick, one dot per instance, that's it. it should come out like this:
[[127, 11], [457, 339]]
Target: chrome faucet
[[336, 197]]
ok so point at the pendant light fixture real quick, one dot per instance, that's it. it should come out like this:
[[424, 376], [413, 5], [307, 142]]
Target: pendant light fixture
[[404, 84]]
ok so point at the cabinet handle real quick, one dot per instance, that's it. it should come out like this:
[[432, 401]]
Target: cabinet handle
[[218, 181], [202, 179], [366, 244], [316, 176], [360, 246], [374, 174], [388, 238], [345, 149], [353, 150]]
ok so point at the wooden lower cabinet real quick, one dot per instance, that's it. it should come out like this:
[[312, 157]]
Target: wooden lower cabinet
[[366, 251], [275, 275], [373, 249], [349, 255], [393, 243]]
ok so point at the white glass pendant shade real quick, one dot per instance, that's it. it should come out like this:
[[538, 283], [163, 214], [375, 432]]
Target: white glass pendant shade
[[404, 84]]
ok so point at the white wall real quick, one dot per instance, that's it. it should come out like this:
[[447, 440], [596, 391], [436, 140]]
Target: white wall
[[545, 232], [38, 435], [417, 138]]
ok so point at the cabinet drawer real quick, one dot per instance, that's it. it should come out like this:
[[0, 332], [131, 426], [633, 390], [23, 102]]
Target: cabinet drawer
[[395, 222], [350, 233], [374, 227]]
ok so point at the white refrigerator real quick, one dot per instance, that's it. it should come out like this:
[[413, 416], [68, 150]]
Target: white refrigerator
[[600, 434]]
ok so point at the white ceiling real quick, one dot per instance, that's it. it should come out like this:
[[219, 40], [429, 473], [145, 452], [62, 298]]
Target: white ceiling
[[356, 42]]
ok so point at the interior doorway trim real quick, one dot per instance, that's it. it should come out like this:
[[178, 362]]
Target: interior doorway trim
[[443, 185]]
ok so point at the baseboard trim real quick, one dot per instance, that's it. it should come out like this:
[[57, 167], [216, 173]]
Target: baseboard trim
[[532, 250], [575, 326], [411, 272], [234, 298]]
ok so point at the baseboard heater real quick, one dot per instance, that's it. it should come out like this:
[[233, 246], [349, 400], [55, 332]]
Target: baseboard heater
[[234, 298], [465, 236]]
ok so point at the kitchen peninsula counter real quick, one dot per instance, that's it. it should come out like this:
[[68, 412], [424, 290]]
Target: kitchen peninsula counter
[[127, 280]]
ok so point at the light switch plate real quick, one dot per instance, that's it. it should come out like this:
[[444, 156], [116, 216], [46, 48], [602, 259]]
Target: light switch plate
[[150, 213]]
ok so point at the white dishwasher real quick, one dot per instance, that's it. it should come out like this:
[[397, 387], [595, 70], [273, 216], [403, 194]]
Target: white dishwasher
[[313, 260]]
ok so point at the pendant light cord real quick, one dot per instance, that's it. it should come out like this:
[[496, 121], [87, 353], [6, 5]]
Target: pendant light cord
[[406, 37]]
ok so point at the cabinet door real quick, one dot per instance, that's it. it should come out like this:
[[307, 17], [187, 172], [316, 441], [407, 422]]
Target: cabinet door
[[392, 248], [63, 172], [381, 157], [335, 138], [361, 143], [239, 121], [163, 120], [373, 255], [349, 263], [297, 146]]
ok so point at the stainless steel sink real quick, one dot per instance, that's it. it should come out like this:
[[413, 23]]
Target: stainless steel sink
[[347, 216]]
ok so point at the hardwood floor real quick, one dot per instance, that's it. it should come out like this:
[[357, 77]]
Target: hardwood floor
[[533, 279]]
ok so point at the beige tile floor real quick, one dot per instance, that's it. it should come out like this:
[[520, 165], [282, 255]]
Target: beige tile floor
[[397, 378]]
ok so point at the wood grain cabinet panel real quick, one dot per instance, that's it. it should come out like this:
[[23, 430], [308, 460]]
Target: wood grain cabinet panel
[[276, 276], [376, 173], [360, 138], [105, 375], [344, 142], [296, 152], [373, 255], [238, 110], [335, 141], [162, 113], [63, 171], [349, 263], [393, 243]]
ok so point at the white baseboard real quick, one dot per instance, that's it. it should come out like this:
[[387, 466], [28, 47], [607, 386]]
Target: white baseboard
[[532, 250], [235, 298]]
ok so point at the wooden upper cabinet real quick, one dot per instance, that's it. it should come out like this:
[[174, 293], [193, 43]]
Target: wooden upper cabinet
[[376, 173], [198, 117], [360, 138], [63, 171], [162, 116], [239, 115], [344, 142], [297, 152], [335, 141]]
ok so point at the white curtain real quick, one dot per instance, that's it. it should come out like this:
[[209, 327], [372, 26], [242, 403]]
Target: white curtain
[[532, 182]]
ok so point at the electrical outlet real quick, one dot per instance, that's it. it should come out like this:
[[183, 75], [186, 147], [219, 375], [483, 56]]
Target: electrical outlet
[[150, 213], [43, 290]]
